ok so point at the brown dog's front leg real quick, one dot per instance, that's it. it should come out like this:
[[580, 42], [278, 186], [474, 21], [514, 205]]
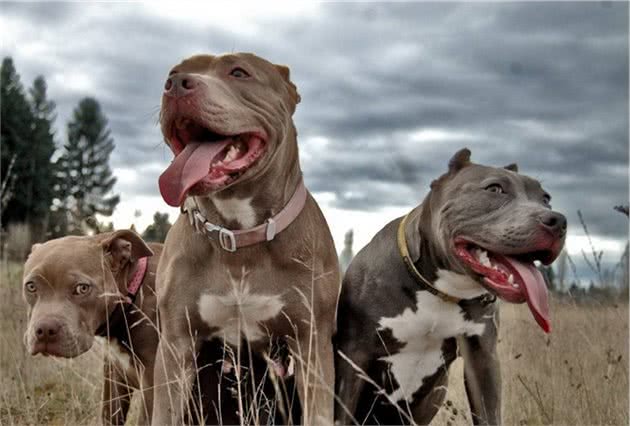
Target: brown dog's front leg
[[314, 377], [116, 394], [173, 378], [482, 375], [146, 392]]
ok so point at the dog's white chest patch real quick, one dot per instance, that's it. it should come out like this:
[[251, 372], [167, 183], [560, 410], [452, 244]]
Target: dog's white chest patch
[[458, 285], [240, 210], [239, 313], [422, 332], [115, 353]]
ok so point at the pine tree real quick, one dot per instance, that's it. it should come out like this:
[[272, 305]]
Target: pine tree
[[43, 181], [27, 147], [15, 118], [85, 177], [346, 255], [157, 231]]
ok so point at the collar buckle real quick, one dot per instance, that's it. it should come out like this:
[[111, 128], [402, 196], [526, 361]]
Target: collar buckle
[[227, 240], [211, 227]]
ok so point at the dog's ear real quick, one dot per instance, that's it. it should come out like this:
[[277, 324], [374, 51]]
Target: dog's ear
[[512, 167], [33, 248], [457, 162], [293, 93], [460, 160], [284, 71], [123, 246]]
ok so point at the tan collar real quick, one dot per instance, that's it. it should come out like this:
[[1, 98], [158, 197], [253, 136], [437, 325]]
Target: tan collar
[[401, 239], [230, 240], [413, 271]]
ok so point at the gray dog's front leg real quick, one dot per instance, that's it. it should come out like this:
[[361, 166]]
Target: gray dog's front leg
[[482, 375]]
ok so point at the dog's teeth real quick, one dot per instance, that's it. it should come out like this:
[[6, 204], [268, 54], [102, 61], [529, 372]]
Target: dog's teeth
[[483, 258], [234, 151], [511, 279], [231, 154], [515, 285]]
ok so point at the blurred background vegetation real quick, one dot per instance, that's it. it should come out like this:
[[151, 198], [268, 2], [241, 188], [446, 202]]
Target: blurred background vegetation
[[45, 191]]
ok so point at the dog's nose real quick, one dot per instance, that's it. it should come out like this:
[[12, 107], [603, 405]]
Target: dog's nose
[[48, 330], [554, 222], [180, 84]]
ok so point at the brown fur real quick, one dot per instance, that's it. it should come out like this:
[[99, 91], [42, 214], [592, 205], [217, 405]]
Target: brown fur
[[107, 262], [299, 267]]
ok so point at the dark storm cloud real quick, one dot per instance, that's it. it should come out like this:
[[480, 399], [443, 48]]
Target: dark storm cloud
[[542, 84], [564, 78], [41, 13]]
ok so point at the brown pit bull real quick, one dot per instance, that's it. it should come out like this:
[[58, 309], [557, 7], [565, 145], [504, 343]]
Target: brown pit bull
[[251, 260], [77, 288]]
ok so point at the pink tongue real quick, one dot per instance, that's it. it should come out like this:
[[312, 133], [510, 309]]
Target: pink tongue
[[535, 291], [189, 167]]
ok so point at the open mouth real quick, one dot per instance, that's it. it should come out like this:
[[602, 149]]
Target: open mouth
[[514, 278], [206, 160]]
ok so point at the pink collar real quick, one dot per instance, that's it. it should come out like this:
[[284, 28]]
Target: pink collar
[[231, 240], [138, 276]]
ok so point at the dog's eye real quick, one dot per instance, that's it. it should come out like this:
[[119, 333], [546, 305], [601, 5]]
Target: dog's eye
[[547, 200], [239, 73], [30, 287], [82, 289], [495, 187]]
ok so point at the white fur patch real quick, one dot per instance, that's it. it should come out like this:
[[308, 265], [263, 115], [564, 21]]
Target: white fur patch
[[112, 350], [458, 285], [240, 210], [423, 333], [239, 313]]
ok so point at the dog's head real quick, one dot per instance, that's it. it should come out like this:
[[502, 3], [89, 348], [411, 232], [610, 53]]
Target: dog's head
[[71, 285], [226, 118], [493, 223]]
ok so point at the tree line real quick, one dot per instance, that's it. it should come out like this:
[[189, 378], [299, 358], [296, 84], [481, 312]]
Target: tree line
[[55, 191]]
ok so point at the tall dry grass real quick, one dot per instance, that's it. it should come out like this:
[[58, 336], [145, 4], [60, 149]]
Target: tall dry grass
[[577, 375]]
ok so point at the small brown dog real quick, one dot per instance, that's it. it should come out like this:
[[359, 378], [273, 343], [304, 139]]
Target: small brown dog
[[77, 288]]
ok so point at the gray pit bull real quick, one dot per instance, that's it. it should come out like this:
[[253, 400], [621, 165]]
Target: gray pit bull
[[79, 288], [424, 290], [250, 260]]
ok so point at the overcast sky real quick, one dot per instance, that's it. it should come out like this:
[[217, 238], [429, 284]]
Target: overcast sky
[[389, 93]]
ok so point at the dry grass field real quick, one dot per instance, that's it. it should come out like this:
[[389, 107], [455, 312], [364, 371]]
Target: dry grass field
[[577, 375]]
